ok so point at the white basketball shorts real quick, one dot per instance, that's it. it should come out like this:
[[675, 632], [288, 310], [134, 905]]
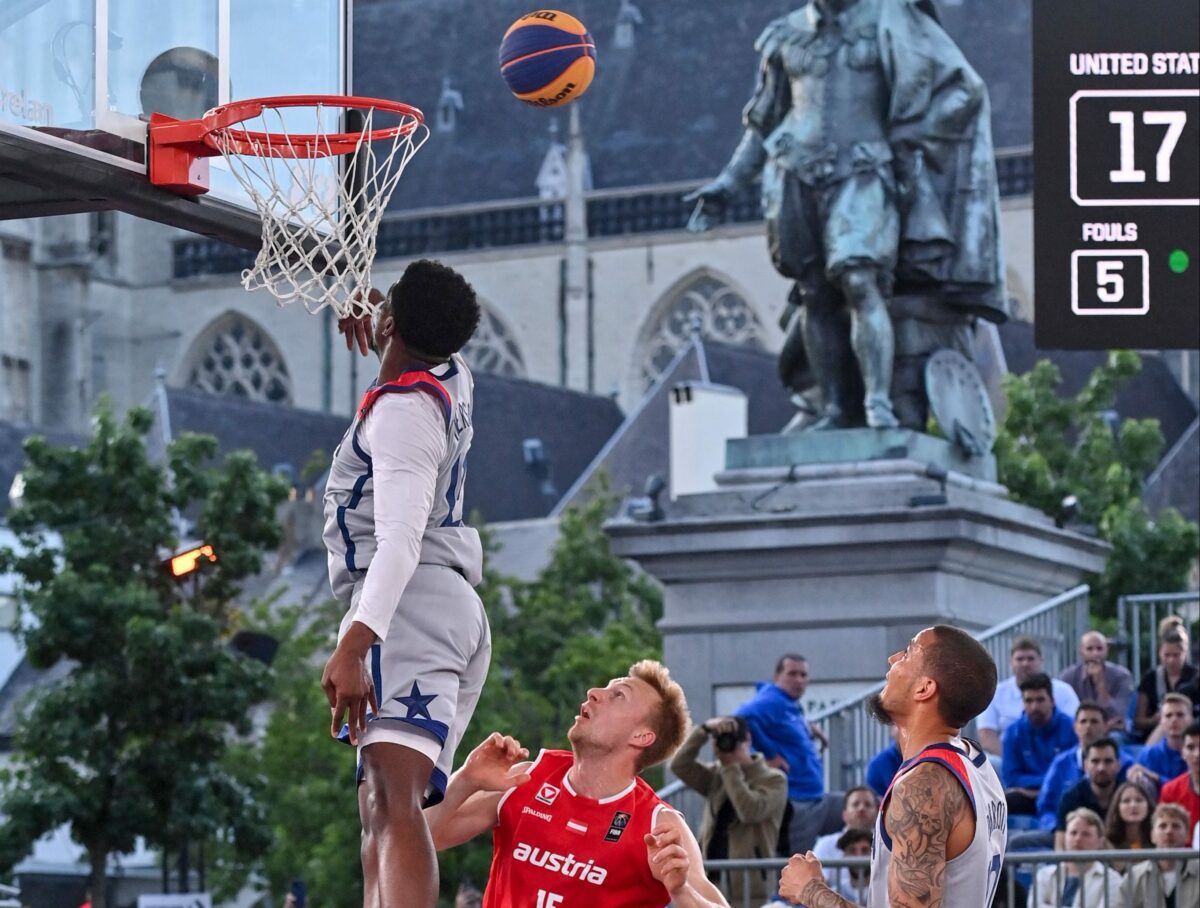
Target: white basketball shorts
[[430, 670]]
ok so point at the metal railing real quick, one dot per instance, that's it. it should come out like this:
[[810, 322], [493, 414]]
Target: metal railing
[[1022, 873], [523, 222], [855, 736], [1137, 625]]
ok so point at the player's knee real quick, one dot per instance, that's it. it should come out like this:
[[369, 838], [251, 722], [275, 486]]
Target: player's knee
[[393, 793]]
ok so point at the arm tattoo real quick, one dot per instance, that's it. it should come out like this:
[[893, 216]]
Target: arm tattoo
[[818, 895], [921, 814]]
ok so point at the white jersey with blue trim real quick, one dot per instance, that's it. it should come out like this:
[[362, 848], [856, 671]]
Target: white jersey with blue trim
[[971, 877], [423, 419]]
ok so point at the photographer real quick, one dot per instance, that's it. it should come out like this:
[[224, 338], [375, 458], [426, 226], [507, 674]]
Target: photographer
[[744, 799]]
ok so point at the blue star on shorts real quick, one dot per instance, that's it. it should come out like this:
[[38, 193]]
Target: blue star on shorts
[[417, 703]]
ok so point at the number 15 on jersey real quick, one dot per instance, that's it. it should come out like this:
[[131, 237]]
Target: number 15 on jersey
[[549, 899]]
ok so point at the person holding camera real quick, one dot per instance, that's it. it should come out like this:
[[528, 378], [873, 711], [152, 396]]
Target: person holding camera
[[744, 799]]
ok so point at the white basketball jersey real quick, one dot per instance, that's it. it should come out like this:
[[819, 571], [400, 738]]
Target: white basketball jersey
[[349, 491], [972, 877]]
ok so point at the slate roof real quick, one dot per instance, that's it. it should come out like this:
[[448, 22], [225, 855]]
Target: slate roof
[[12, 455], [639, 449], [571, 425], [666, 110], [24, 679], [1154, 392], [1175, 482], [277, 435]]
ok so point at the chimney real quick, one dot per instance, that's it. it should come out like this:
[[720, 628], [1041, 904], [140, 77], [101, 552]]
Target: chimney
[[703, 417]]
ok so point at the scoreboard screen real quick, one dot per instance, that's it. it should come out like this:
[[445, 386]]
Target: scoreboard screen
[[1116, 133]]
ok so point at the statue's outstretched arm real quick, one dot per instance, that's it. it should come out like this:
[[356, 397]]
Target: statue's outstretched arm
[[763, 113]]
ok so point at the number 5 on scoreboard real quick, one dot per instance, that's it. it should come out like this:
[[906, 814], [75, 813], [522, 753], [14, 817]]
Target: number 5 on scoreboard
[[1110, 282]]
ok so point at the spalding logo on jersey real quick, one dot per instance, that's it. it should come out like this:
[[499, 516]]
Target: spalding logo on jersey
[[561, 863], [546, 794]]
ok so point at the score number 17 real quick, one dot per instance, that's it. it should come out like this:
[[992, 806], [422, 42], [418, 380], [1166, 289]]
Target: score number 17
[[1174, 120]]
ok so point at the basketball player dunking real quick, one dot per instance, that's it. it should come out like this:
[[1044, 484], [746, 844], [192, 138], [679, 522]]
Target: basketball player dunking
[[414, 645], [942, 827]]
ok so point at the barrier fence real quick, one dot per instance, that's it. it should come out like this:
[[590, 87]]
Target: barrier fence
[[1137, 626], [1021, 876], [855, 736]]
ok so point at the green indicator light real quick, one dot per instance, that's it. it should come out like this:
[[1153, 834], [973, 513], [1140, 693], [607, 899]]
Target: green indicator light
[[1178, 261]]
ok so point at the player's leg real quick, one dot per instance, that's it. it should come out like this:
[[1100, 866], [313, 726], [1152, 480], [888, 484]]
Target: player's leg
[[434, 642], [397, 846], [367, 855]]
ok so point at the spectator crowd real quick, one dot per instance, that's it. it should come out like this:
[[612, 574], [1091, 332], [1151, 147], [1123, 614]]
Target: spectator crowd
[[1089, 762]]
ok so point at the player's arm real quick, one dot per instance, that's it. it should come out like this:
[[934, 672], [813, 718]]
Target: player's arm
[[675, 861], [473, 793], [803, 883], [407, 437], [925, 805]]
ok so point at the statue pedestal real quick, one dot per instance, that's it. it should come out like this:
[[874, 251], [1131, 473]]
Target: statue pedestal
[[842, 562], [855, 446]]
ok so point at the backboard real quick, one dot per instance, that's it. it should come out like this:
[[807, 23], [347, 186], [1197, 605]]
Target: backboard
[[80, 78]]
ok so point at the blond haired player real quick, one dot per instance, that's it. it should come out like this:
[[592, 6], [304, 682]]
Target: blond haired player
[[579, 828]]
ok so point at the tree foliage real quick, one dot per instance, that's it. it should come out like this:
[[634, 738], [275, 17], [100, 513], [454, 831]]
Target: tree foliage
[[1052, 446], [130, 742]]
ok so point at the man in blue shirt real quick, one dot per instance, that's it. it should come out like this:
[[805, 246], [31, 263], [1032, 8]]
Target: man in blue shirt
[[781, 733], [1067, 768], [882, 768], [1032, 742], [1163, 761]]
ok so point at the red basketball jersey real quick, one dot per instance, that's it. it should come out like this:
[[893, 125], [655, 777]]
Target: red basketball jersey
[[553, 848]]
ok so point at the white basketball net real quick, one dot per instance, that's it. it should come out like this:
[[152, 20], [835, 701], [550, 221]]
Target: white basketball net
[[318, 229]]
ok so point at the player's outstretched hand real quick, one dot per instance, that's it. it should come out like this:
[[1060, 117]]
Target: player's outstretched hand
[[801, 870], [491, 765], [669, 863]]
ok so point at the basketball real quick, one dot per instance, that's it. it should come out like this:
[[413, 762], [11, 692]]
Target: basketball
[[547, 58]]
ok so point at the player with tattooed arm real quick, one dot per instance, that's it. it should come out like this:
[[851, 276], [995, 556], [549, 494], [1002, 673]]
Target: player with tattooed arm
[[942, 827]]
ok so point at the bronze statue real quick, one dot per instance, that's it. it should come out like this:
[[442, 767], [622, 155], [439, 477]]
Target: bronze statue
[[872, 135]]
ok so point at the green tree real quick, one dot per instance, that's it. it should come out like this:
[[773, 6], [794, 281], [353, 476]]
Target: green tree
[[131, 742], [1052, 446], [309, 801]]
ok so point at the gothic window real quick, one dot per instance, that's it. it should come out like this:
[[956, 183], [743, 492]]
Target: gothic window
[[493, 350], [706, 304], [236, 358]]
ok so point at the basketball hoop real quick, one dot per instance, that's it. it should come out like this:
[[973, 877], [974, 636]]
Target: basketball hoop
[[318, 226]]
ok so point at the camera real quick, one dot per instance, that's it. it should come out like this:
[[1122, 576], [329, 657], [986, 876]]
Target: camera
[[728, 741]]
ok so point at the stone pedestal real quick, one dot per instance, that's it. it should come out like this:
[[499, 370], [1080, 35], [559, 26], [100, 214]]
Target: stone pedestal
[[841, 562]]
